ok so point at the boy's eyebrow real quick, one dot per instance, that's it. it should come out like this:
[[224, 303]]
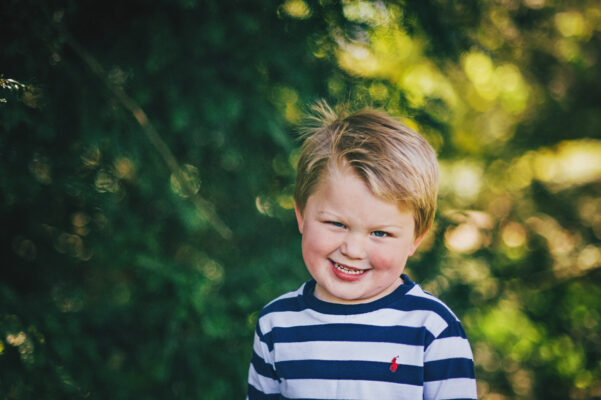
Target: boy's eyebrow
[[325, 214], [385, 226], [389, 228]]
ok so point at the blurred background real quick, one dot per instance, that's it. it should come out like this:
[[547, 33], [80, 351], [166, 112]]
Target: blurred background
[[147, 163]]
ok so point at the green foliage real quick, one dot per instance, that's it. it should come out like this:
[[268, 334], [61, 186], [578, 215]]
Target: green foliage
[[116, 282]]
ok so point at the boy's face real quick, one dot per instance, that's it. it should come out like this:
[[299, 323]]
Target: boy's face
[[354, 244]]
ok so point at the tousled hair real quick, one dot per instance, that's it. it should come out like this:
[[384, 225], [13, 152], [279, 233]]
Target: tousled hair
[[396, 163]]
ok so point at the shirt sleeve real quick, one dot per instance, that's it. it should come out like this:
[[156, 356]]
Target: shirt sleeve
[[263, 382], [449, 366]]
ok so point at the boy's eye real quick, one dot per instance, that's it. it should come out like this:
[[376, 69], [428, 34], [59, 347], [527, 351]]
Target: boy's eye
[[336, 224], [380, 234]]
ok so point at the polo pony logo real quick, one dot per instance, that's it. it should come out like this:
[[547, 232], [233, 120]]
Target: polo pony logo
[[393, 364]]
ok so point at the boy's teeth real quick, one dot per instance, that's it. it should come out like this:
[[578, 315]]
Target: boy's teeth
[[348, 271]]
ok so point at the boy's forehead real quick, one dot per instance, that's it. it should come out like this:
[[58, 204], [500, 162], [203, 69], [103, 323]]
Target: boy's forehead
[[334, 172]]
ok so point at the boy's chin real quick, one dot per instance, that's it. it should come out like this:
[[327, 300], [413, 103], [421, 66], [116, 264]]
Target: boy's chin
[[350, 295]]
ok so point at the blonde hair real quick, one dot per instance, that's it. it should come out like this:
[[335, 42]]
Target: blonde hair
[[396, 163]]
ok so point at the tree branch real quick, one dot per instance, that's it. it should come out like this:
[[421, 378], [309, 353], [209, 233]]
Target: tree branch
[[204, 207]]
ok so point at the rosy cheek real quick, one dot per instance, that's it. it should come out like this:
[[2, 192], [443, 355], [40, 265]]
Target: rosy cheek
[[385, 259], [379, 261], [315, 241]]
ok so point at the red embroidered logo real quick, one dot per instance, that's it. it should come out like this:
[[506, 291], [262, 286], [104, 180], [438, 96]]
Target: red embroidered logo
[[394, 365]]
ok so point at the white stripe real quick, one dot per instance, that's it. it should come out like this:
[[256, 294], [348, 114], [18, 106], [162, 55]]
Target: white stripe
[[383, 317], [262, 383], [349, 351], [349, 389], [451, 389], [451, 347]]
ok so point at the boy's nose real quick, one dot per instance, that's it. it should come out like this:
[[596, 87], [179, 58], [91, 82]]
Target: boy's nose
[[353, 247]]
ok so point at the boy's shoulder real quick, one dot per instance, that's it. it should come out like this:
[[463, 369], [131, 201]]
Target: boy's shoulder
[[286, 302], [419, 299]]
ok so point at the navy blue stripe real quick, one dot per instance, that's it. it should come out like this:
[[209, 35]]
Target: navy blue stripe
[[428, 341], [255, 394], [259, 333], [324, 307], [348, 332], [350, 370], [448, 369], [287, 304], [453, 330], [262, 367], [403, 303]]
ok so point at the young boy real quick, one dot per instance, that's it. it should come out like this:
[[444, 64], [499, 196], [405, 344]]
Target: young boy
[[360, 329]]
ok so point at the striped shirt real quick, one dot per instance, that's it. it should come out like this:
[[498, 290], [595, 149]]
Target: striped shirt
[[406, 345]]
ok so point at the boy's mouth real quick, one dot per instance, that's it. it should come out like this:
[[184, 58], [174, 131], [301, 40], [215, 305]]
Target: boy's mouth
[[347, 269]]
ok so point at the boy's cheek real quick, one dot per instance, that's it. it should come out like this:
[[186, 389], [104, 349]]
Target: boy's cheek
[[385, 261], [314, 243]]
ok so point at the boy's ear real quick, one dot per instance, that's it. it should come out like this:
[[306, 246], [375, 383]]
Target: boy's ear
[[418, 241], [299, 218]]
